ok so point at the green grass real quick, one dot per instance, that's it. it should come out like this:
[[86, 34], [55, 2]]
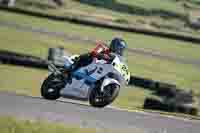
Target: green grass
[[14, 82], [113, 14], [167, 5], [146, 66], [163, 46], [21, 80], [132, 98], [185, 76], [30, 83], [32, 43], [10, 124]]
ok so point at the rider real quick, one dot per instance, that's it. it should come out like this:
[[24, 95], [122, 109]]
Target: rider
[[117, 47]]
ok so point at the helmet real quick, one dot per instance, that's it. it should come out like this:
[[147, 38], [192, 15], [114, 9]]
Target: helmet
[[118, 46]]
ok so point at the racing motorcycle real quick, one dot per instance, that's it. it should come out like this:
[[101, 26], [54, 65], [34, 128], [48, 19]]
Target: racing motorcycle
[[99, 82]]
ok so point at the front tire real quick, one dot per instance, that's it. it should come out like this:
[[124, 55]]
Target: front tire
[[100, 100], [51, 87]]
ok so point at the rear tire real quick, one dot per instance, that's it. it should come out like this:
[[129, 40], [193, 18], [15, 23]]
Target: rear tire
[[104, 100], [51, 88]]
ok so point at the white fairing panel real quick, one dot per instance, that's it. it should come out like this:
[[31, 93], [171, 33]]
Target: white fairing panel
[[84, 79], [122, 68], [108, 81], [77, 88]]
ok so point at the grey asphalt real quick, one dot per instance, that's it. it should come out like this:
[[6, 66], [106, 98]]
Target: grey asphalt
[[89, 41], [86, 116]]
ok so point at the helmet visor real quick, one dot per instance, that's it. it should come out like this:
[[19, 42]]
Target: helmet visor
[[122, 48]]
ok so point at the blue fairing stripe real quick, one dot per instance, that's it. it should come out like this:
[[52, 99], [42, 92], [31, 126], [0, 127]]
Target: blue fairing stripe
[[84, 76]]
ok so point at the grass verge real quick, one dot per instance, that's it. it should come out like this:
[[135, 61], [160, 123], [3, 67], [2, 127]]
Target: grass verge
[[10, 124], [159, 45], [138, 13], [28, 81]]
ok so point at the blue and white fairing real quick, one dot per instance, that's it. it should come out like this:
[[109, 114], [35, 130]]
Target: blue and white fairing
[[85, 79]]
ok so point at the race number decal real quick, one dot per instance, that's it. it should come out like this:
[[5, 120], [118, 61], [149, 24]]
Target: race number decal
[[124, 69], [121, 68]]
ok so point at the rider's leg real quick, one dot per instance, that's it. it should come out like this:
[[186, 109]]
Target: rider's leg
[[83, 60]]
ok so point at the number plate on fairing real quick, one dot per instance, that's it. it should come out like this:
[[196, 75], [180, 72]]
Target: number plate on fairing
[[121, 68]]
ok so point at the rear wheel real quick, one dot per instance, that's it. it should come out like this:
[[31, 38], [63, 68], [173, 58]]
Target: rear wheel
[[51, 87], [101, 99]]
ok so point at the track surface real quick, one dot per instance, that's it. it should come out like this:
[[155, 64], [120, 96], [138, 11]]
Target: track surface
[[90, 41], [86, 116]]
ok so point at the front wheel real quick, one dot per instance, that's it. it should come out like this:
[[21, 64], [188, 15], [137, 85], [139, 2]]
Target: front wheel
[[101, 99], [51, 87]]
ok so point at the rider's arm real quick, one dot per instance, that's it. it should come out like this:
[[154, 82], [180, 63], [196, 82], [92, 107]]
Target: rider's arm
[[107, 57], [84, 59]]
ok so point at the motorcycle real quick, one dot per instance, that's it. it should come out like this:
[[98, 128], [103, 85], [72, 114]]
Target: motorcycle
[[99, 82]]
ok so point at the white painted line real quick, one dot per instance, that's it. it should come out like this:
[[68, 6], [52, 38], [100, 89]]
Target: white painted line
[[153, 114]]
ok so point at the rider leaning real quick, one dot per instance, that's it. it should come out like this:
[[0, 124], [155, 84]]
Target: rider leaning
[[117, 46]]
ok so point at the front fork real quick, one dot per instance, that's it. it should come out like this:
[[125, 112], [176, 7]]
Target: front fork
[[55, 71]]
